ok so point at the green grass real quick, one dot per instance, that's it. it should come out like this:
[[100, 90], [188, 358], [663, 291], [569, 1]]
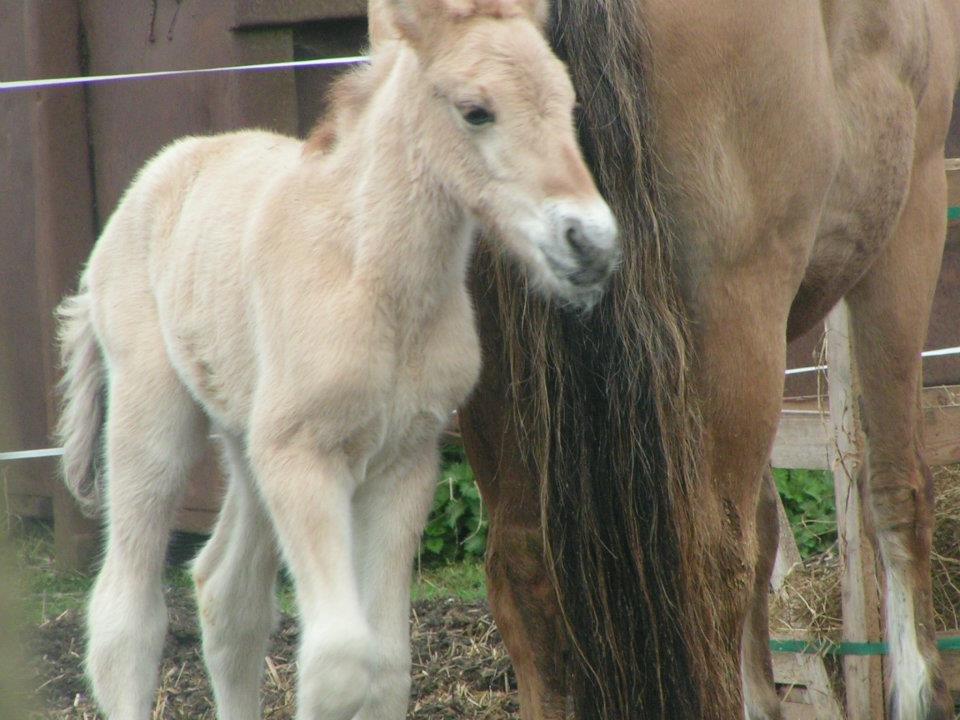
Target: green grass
[[461, 581], [48, 592]]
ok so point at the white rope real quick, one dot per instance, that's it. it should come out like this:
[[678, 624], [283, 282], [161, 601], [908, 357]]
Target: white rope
[[14, 85]]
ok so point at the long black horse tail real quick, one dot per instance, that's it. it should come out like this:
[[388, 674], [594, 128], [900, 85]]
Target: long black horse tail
[[610, 424]]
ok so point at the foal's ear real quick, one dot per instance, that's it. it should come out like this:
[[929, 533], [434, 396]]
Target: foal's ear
[[536, 10], [412, 20], [417, 21]]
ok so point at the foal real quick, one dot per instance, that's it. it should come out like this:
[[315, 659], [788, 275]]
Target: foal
[[308, 303]]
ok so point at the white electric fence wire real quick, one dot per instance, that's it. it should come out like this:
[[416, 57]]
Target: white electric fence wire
[[928, 354], [14, 85]]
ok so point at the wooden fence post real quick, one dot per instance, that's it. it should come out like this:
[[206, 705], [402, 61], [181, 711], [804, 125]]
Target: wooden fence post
[[63, 199], [863, 675]]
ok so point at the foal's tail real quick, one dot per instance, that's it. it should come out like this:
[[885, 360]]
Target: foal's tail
[[81, 415]]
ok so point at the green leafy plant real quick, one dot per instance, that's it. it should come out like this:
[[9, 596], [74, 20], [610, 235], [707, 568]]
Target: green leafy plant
[[808, 499], [457, 528]]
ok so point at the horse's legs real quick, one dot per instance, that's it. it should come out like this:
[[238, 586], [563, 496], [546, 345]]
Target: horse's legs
[[153, 436], [759, 693], [308, 494], [235, 577], [741, 357], [390, 513], [521, 596], [889, 314]]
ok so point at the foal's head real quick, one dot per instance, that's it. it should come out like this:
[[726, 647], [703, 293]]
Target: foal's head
[[499, 134]]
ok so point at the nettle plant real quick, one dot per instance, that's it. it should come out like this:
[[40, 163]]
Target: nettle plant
[[457, 528], [808, 499]]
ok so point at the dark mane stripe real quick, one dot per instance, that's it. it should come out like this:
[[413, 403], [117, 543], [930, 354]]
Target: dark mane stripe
[[610, 424]]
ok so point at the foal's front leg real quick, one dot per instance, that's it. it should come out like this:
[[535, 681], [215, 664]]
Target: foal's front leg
[[390, 513], [308, 494]]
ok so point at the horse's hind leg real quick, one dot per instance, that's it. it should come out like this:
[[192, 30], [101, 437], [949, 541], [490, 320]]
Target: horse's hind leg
[[759, 693], [235, 576], [889, 314], [153, 434], [390, 513]]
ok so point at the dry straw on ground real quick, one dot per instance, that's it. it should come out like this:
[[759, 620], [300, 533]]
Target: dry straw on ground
[[810, 600], [460, 668]]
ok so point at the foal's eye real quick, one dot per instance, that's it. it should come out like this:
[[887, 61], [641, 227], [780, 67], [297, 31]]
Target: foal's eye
[[476, 115]]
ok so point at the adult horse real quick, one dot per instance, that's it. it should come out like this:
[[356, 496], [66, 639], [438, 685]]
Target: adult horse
[[764, 159]]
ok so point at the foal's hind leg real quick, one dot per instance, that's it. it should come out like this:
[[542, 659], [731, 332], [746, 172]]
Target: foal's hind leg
[[390, 513], [235, 576], [154, 433], [889, 313], [759, 693]]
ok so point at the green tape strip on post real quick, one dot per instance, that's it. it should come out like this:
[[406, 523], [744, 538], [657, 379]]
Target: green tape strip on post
[[953, 213], [827, 647]]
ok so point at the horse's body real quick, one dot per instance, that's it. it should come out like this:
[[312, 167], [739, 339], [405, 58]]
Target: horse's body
[[765, 160], [308, 302]]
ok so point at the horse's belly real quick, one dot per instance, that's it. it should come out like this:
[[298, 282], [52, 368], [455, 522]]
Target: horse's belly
[[867, 195]]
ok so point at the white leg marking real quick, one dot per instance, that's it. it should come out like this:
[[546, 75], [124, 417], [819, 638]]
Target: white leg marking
[[911, 676]]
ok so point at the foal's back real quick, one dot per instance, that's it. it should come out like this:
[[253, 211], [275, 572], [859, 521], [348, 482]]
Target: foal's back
[[177, 257]]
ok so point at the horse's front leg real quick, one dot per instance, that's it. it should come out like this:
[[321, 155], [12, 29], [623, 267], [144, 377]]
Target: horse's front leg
[[390, 512], [308, 494], [521, 595]]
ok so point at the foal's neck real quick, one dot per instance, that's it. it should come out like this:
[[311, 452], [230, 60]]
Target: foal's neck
[[413, 238]]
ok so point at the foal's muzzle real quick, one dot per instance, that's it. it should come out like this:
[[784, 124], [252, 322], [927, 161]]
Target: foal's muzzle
[[585, 250]]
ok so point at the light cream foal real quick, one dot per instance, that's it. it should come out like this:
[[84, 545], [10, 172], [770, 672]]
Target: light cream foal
[[307, 301]]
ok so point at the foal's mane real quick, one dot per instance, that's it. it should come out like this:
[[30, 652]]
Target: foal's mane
[[348, 96]]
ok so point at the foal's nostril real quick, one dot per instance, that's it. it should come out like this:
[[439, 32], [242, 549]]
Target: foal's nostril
[[576, 237]]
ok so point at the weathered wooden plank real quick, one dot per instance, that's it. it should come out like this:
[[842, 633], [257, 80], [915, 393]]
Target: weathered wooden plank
[[798, 711], [259, 13], [810, 684], [29, 506], [863, 676], [953, 185], [803, 441], [788, 554], [951, 667], [941, 425]]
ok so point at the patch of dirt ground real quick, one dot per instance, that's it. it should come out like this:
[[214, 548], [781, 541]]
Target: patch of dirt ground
[[460, 667]]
